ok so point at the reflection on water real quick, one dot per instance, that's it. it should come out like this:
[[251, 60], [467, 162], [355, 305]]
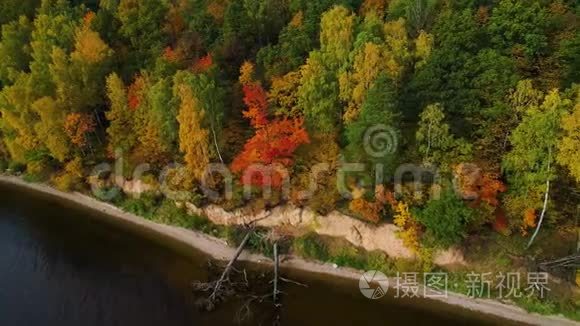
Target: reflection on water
[[60, 265]]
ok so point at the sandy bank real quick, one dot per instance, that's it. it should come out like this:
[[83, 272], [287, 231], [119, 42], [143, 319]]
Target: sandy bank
[[218, 249]]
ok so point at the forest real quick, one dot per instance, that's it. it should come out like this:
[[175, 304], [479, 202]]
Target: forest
[[483, 95]]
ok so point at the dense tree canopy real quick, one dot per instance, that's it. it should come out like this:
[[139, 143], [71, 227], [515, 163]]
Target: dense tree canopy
[[302, 85]]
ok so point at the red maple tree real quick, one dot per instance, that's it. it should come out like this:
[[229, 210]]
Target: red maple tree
[[170, 55], [273, 143], [203, 64]]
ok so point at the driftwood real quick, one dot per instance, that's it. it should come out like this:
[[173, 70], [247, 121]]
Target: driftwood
[[223, 287], [572, 261], [276, 264], [226, 271]]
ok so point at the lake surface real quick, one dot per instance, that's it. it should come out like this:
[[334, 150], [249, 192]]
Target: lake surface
[[64, 265]]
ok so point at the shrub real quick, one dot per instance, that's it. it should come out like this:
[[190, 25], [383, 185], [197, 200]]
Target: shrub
[[379, 261], [72, 176], [366, 210], [169, 213], [144, 205], [410, 228], [16, 167], [3, 165], [310, 246], [351, 257], [445, 220], [37, 171]]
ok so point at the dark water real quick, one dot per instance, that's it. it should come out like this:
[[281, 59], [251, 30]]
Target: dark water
[[62, 265]]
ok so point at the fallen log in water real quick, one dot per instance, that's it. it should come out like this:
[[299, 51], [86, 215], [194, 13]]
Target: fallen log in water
[[229, 266]]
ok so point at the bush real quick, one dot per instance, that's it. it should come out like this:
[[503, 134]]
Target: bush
[[16, 167], [72, 177], [169, 213], [445, 220], [366, 210], [310, 246], [3, 165], [351, 257], [37, 171], [144, 206]]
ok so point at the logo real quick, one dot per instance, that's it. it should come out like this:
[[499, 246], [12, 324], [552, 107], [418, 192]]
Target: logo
[[380, 140], [373, 284]]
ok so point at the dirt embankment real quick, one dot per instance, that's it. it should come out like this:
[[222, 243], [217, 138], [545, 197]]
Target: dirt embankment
[[382, 237]]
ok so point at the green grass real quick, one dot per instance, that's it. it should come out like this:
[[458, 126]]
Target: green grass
[[311, 247]]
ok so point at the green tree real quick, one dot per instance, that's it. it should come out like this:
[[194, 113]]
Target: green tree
[[378, 109], [11, 10], [164, 110], [519, 24], [417, 12], [445, 219], [54, 26], [318, 95], [15, 49], [142, 26], [568, 54], [530, 163], [435, 141]]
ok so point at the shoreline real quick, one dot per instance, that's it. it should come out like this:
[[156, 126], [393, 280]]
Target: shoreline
[[219, 250]]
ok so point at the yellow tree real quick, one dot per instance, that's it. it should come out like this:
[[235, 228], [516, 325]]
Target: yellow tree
[[397, 53], [246, 73], [80, 77], [50, 127], [423, 47], [336, 35], [283, 94], [121, 131], [18, 119], [368, 64], [569, 145], [193, 139], [150, 147]]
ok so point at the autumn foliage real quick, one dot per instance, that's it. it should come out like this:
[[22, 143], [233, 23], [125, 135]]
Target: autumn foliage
[[273, 143], [410, 229], [479, 186], [170, 55], [77, 126], [367, 210], [203, 64], [529, 220], [134, 92]]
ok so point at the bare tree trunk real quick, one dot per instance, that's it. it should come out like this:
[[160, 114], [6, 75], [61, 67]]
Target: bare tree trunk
[[217, 148], [546, 197], [428, 143], [276, 266], [577, 229], [226, 271]]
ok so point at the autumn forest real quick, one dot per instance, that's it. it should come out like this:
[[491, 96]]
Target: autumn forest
[[481, 97]]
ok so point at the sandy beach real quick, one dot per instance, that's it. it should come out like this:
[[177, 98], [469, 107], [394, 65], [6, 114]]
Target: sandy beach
[[218, 249]]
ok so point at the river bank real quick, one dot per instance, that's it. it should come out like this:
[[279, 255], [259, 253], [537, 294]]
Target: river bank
[[218, 249]]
